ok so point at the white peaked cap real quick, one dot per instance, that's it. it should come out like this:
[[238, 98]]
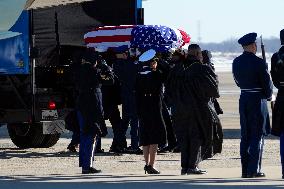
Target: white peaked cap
[[147, 55]]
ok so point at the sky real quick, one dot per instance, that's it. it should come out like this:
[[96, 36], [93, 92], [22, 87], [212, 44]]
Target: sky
[[218, 20], [208, 20]]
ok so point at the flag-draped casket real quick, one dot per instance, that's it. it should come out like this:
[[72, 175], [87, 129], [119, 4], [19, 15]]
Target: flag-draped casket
[[143, 37]]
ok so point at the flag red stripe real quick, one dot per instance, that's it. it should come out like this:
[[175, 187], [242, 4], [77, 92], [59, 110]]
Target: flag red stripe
[[115, 38], [112, 28]]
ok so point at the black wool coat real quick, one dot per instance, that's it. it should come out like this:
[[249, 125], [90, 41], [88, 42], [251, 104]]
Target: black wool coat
[[190, 86], [277, 74], [149, 101]]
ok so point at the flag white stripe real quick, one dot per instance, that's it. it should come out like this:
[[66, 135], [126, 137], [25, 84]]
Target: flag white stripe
[[108, 32], [109, 44], [103, 47]]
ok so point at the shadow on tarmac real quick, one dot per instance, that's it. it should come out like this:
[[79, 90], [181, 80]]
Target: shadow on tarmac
[[101, 181]]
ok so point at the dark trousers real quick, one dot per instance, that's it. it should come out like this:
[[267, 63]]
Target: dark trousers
[[282, 150], [251, 154], [134, 125], [75, 140], [98, 143], [190, 141], [171, 136], [252, 139], [115, 121], [87, 146]]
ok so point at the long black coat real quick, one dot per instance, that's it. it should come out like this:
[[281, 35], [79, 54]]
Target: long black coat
[[277, 74], [149, 95], [89, 100], [190, 86]]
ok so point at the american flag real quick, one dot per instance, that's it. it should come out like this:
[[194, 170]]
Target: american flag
[[144, 37], [159, 38], [185, 38], [114, 37]]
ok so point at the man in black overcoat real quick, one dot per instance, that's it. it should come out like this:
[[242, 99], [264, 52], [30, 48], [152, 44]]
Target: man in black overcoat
[[190, 86], [277, 74]]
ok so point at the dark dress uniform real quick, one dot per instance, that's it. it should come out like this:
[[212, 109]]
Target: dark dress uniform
[[111, 100], [149, 95], [126, 71], [89, 107], [277, 73], [190, 86], [252, 77]]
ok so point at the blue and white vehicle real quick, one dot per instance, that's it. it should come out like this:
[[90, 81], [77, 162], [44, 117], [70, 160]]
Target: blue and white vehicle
[[39, 42]]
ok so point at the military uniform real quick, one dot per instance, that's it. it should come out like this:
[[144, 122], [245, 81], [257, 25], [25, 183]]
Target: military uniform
[[89, 107], [277, 73], [126, 70], [252, 77]]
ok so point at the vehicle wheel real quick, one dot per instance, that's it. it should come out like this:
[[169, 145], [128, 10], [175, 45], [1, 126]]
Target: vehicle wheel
[[50, 140], [26, 135]]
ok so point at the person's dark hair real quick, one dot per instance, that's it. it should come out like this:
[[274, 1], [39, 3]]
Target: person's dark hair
[[193, 46], [193, 50], [206, 56]]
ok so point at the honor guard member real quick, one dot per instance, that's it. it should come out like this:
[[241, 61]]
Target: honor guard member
[[277, 74], [126, 68], [91, 75], [252, 77]]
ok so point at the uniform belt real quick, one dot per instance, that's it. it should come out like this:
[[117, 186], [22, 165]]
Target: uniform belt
[[251, 90], [281, 83]]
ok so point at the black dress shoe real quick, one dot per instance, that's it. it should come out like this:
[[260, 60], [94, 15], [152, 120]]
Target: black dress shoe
[[131, 150], [91, 170], [116, 149], [244, 175], [72, 148], [150, 170], [165, 149], [99, 151], [260, 174], [255, 175], [196, 171], [176, 149], [183, 171]]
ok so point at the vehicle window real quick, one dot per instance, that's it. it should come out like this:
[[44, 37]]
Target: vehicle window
[[10, 10]]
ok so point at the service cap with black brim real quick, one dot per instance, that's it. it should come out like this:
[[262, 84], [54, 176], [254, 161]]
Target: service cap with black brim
[[247, 39]]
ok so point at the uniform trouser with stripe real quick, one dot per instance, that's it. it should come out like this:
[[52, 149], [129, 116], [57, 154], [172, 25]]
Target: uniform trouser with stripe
[[87, 146], [251, 155], [282, 150], [252, 138]]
